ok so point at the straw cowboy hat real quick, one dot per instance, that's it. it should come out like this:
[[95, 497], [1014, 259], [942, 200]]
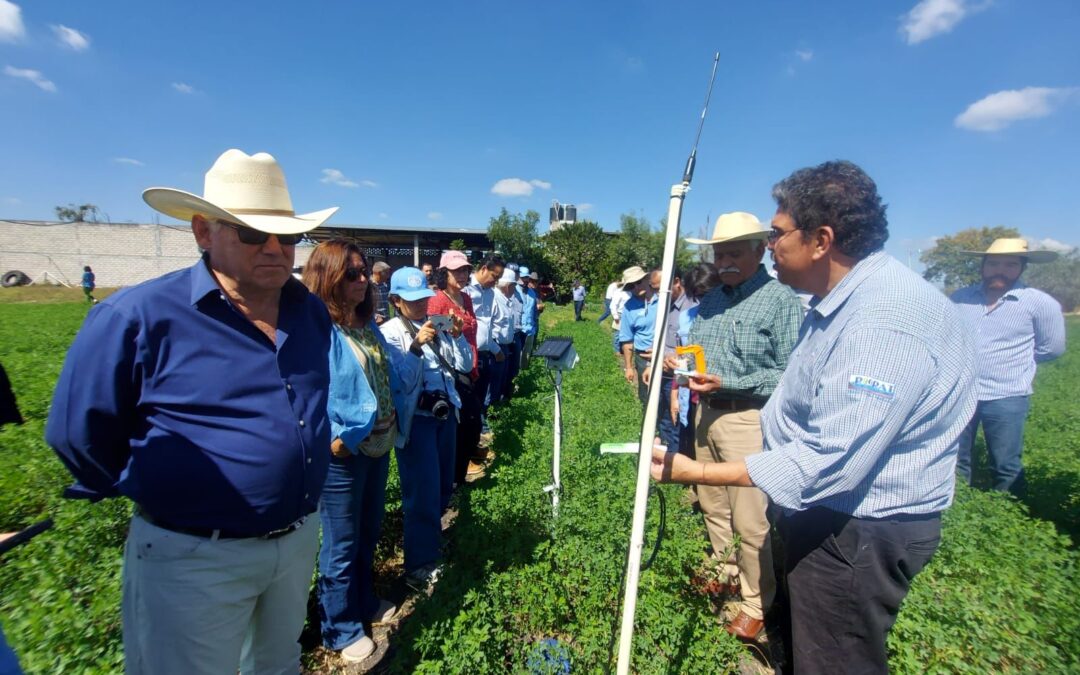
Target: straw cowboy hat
[[1017, 247], [242, 188], [735, 226], [632, 275]]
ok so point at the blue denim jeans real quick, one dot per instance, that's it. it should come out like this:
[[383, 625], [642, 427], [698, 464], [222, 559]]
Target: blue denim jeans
[[578, 306], [351, 511], [426, 466], [491, 372], [607, 311], [1003, 426], [669, 433]]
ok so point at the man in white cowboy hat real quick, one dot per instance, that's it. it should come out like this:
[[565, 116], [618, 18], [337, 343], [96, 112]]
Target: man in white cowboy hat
[[201, 396], [747, 328], [1015, 328]]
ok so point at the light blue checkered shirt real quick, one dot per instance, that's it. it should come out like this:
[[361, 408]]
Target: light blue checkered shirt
[[867, 416], [1024, 328]]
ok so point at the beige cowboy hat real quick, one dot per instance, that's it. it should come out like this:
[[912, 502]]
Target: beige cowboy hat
[[632, 275], [1018, 247], [735, 226], [243, 188]]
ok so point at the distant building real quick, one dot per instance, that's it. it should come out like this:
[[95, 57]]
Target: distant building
[[124, 254], [561, 214]]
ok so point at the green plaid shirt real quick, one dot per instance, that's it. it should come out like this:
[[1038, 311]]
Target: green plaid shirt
[[747, 333]]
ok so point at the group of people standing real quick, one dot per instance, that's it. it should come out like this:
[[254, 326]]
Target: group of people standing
[[850, 416], [230, 402]]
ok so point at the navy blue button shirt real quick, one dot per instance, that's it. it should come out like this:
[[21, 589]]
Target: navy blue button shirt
[[171, 397]]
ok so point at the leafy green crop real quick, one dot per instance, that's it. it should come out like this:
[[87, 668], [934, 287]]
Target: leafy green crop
[[523, 592]]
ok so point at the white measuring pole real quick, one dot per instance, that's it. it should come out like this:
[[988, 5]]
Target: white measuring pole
[[556, 485], [648, 431]]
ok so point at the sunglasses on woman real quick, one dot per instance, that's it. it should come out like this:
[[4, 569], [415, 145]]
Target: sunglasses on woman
[[253, 237], [354, 273]]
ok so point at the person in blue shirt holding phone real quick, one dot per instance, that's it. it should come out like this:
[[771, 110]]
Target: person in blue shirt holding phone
[[428, 442]]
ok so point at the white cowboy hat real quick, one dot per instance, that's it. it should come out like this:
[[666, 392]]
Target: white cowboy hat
[[632, 275], [242, 188], [1017, 247], [735, 226]]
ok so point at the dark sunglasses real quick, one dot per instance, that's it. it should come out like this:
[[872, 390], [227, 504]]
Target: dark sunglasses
[[253, 237], [354, 273]]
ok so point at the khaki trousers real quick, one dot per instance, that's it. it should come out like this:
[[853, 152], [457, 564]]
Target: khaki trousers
[[722, 436]]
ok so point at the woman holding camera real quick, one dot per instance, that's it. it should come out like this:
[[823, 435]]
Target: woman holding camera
[[368, 381], [426, 461]]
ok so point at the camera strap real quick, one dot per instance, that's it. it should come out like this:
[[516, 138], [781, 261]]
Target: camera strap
[[437, 351]]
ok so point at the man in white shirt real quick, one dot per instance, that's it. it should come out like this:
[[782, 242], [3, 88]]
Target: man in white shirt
[[610, 294]]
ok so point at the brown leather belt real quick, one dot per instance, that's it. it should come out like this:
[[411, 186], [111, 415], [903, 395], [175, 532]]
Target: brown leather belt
[[733, 404]]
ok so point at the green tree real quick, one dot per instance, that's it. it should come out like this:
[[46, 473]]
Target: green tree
[[1060, 279], [83, 213], [458, 245], [577, 251], [637, 243], [947, 263], [515, 236]]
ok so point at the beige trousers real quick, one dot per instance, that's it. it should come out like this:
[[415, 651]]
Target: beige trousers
[[722, 436]]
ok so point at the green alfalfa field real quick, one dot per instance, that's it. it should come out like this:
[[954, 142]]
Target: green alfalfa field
[[525, 594]]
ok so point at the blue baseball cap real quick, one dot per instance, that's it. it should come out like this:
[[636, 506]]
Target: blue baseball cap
[[524, 272], [409, 283]]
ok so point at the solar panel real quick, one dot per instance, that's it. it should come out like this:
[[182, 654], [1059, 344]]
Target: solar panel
[[553, 347]]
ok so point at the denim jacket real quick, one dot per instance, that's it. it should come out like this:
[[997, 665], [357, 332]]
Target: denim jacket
[[352, 406], [427, 373]]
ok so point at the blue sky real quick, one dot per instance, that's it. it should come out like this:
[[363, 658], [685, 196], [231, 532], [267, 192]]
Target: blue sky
[[965, 112]]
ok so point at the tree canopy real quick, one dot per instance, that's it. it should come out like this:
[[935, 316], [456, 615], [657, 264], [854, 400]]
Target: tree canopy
[[1060, 279], [81, 213]]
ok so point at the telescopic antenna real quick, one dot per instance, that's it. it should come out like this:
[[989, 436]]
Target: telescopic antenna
[[688, 173], [648, 425]]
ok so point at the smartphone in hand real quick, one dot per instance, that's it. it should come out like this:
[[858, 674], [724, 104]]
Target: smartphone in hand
[[441, 322]]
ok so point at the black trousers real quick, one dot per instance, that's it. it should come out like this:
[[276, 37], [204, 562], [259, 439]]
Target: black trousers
[[846, 578]]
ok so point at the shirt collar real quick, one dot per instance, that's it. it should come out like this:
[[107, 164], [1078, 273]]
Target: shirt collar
[[835, 298], [203, 284]]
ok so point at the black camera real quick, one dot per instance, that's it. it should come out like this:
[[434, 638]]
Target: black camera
[[435, 402]]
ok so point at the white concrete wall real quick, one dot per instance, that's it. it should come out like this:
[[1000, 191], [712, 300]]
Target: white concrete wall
[[120, 254]]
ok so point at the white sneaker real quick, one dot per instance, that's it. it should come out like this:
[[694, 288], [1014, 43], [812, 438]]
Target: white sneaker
[[386, 611], [359, 650], [426, 576]]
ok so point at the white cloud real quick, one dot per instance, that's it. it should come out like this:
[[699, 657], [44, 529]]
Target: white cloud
[[384, 216], [72, 38], [34, 76], [128, 160], [516, 187], [804, 54], [434, 215], [183, 88], [335, 177], [934, 17], [11, 24], [13, 201], [997, 111], [1049, 244], [582, 208]]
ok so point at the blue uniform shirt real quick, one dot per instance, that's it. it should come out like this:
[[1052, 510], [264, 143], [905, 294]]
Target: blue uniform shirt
[[171, 397], [867, 417], [637, 322]]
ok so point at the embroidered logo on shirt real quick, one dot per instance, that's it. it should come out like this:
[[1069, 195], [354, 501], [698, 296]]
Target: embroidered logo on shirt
[[871, 385]]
